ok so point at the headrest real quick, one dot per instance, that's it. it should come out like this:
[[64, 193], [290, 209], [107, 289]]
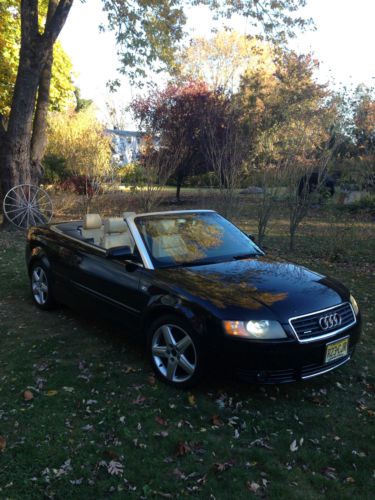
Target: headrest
[[167, 225], [127, 214], [115, 225], [92, 221]]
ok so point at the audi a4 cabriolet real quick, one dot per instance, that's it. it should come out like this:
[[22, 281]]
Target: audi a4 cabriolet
[[201, 292]]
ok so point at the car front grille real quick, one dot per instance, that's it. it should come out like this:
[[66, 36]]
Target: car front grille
[[308, 327]]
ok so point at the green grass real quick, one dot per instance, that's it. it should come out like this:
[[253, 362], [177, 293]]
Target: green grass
[[96, 401]]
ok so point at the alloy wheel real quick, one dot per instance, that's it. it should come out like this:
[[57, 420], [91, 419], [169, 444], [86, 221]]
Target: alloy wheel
[[174, 353], [39, 285]]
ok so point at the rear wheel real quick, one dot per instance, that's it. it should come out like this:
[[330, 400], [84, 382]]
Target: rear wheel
[[41, 286], [175, 351]]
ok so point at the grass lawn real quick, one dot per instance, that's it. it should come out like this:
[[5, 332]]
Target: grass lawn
[[99, 425]]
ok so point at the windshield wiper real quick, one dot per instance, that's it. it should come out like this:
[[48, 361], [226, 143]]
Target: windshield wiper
[[245, 256], [195, 263]]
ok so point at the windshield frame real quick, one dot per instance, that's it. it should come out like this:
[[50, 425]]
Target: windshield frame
[[156, 264]]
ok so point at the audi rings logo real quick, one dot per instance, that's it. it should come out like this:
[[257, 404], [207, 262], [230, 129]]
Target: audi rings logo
[[330, 321]]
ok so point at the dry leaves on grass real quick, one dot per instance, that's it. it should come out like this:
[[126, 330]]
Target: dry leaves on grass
[[139, 400], [28, 395], [161, 421], [115, 468], [216, 421], [221, 467], [3, 443]]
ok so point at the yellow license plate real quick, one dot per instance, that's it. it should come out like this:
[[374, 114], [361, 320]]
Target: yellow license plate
[[337, 350]]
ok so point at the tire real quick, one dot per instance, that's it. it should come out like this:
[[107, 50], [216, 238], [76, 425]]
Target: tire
[[175, 351], [40, 284]]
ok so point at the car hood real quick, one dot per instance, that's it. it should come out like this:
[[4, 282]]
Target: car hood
[[268, 288]]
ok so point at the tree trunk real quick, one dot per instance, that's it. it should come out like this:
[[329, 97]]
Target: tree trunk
[[15, 147], [180, 179], [39, 137]]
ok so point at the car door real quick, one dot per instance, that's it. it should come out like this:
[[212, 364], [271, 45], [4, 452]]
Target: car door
[[114, 283]]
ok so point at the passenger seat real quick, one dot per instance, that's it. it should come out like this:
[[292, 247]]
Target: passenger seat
[[92, 228], [116, 234]]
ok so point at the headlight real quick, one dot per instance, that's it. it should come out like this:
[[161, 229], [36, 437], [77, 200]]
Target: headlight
[[263, 329], [354, 305]]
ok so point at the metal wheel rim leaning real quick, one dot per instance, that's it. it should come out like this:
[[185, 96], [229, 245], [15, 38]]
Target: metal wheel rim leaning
[[174, 353], [27, 205], [39, 285]]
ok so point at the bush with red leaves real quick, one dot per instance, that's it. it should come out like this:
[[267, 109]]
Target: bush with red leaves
[[80, 184]]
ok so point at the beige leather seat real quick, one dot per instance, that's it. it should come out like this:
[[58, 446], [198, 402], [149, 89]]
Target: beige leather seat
[[92, 227], [168, 244], [116, 234]]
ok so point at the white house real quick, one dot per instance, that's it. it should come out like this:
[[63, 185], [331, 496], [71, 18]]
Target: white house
[[126, 145]]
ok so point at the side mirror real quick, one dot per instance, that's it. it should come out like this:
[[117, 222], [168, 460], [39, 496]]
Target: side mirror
[[119, 253]]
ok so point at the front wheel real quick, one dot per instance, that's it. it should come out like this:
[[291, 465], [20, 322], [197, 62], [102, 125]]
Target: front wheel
[[41, 286], [175, 352]]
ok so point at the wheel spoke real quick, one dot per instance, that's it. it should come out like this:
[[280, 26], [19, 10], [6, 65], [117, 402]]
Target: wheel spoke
[[36, 276], [183, 344], [186, 365], [19, 209], [23, 218], [160, 351], [168, 336], [171, 369]]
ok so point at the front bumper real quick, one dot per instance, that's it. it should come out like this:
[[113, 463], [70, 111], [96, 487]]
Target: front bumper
[[276, 362]]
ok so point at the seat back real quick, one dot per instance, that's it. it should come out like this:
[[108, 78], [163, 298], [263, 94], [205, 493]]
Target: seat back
[[116, 234], [168, 243], [92, 227]]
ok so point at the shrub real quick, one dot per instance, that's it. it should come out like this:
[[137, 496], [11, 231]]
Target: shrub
[[80, 184], [55, 170], [131, 174]]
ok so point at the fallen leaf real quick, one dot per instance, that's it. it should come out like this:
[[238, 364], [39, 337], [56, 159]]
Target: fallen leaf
[[252, 486], [192, 400], [329, 472], [115, 468], [3, 443], [293, 447], [139, 400], [152, 380], [216, 420], [221, 467], [28, 396], [182, 449], [110, 454], [52, 392], [161, 421]]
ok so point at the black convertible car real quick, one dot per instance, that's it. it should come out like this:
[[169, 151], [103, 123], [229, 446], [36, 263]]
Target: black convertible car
[[201, 291]]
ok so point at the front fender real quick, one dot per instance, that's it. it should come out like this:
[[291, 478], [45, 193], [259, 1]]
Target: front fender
[[34, 254], [165, 305]]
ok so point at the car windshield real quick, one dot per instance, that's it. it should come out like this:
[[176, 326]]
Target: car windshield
[[184, 239]]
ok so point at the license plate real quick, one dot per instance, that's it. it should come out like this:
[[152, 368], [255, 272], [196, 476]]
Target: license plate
[[337, 350]]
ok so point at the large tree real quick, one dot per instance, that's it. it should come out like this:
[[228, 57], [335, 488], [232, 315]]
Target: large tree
[[147, 33], [175, 115]]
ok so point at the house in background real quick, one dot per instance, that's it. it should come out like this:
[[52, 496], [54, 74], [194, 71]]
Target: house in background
[[126, 145]]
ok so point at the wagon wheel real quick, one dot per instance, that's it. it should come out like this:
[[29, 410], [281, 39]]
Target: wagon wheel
[[27, 205]]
